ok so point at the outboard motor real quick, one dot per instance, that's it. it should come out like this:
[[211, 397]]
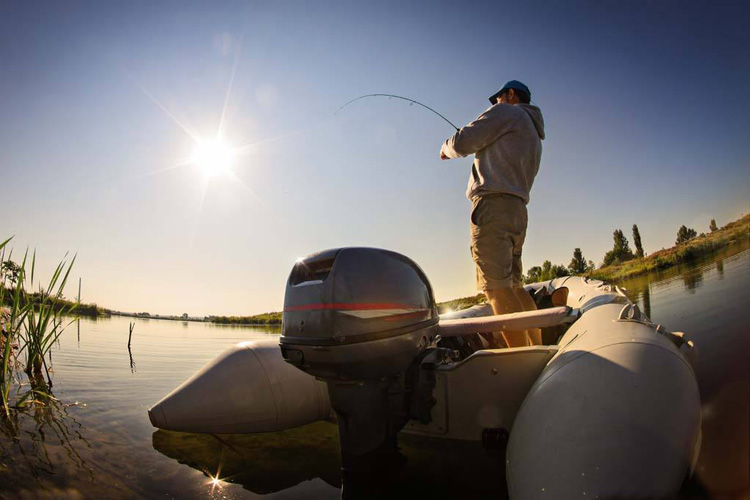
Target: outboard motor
[[363, 319]]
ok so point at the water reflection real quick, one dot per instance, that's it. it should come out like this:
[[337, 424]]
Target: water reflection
[[273, 462], [646, 300], [692, 277], [132, 363], [44, 439], [261, 463], [640, 288]]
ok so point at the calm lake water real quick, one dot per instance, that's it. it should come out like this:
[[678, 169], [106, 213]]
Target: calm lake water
[[97, 440]]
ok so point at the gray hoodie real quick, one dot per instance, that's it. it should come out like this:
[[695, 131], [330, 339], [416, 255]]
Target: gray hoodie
[[507, 143]]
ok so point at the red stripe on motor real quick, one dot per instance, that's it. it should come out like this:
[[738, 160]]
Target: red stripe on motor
[[347, 307]]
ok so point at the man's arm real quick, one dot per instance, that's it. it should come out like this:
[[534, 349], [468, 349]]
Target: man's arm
[[480, 133]]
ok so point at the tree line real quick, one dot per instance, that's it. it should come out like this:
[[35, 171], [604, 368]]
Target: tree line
[[272, 318], [620, 253], [12, 273]]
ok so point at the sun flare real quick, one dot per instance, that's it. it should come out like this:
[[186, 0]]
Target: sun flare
[[213, 157], [215, 482]]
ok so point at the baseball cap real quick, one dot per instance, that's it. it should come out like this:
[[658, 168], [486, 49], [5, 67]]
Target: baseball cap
[[512, 84]]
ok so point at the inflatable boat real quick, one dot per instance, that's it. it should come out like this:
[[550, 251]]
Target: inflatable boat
[[607, 407]]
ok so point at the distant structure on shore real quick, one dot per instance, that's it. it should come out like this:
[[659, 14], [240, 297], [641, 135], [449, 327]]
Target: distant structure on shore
[[146, 315]]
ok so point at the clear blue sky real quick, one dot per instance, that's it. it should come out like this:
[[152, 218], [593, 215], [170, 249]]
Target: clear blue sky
[[646, 106]]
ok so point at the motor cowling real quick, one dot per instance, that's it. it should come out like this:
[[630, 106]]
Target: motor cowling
[[356, 314]]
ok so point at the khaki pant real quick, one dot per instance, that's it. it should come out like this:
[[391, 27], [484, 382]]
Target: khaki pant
[[498, 230]]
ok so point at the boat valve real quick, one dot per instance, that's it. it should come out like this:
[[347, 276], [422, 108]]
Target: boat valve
[[686, 347]]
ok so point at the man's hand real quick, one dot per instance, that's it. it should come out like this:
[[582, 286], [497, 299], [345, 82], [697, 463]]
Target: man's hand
[[443, 156]]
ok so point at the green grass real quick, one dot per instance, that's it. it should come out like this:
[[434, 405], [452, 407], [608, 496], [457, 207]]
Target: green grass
[[734, 232]]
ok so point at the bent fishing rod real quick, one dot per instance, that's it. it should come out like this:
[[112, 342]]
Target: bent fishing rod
[[397, 97]]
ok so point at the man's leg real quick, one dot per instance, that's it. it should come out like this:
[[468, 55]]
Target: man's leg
[[528, 304], [498, 231], [525, 301], [505, 301]]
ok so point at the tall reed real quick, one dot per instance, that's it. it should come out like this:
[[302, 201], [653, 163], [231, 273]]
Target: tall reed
[[31, 323], [12, 319], [43, 327]]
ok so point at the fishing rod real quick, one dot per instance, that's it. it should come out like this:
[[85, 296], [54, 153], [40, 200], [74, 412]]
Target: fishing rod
[[397, 97]]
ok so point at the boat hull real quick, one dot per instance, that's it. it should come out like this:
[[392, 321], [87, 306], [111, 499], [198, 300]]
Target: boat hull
[[246, 389], [615, 414]]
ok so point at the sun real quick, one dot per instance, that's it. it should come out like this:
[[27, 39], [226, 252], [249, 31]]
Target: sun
[[213, 157]]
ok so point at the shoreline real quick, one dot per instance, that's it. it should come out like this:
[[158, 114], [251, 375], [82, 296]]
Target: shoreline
[[737, 232], [734, 233]]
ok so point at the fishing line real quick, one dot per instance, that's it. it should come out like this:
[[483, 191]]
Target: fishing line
[[397, 97]]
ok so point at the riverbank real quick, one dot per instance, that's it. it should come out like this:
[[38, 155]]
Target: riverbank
[[737, 232], [734, 233], [59, 305], [272, 318]]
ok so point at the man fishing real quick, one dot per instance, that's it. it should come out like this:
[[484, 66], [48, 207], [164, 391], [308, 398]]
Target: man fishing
[[506, 141]]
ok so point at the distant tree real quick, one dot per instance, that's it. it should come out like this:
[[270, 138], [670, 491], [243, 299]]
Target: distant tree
[[713, 227], [609, 258], [685, 234], [578, 263], [10, 272], [621, 244], [620, 252], [637, 242], [184, 315], [559, 271], [546, 272], [591, 266], [550, 271], [534, 275]]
